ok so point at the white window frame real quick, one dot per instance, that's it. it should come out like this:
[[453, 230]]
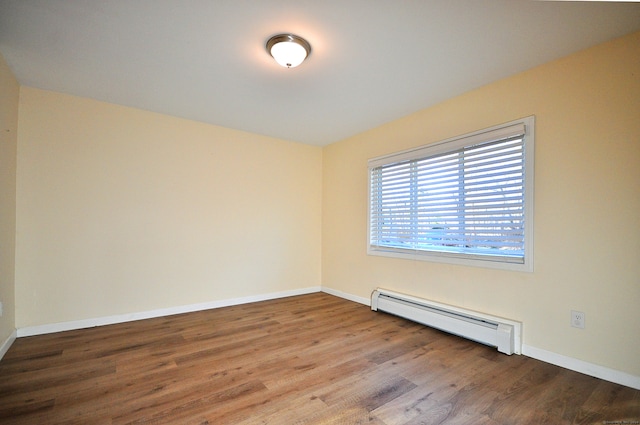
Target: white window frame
[[524, 264]]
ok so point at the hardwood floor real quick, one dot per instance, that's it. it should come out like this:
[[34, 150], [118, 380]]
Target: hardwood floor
[[312, 359]]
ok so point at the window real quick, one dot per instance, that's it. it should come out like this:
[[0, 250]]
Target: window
[[467, 200]]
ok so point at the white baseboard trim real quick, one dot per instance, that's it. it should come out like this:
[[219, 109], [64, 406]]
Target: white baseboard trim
[[581, 366], [122, 318], [346, 296], [7, 343]]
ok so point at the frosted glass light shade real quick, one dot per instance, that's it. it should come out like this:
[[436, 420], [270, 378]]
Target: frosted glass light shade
[[288, 50]]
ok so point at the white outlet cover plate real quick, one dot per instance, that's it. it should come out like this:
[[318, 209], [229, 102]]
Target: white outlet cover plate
[[577, 319]]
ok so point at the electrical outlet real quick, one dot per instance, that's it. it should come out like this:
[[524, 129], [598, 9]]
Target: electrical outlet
[[577, 319]]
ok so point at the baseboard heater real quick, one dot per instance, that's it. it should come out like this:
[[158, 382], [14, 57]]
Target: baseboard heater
[[490, 330]]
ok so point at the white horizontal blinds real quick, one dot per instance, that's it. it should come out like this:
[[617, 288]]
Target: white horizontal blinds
[[468, 200], [445, 146], [473, 201], [393, 205]]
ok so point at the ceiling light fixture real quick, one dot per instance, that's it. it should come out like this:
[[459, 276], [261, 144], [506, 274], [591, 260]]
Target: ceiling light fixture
[[288, 50]]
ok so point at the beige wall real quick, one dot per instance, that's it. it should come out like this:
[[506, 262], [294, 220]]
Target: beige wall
[[9, 92], [587, 206], [125, 211]]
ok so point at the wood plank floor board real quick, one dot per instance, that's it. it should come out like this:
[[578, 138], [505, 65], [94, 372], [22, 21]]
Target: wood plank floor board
[[565, 395], [609, 400], [286, 404], [365, 390], [183, 405], [292, 390], [437, 395], [311, 359]]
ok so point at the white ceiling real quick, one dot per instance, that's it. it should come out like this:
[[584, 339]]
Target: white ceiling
[[372, 61]]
